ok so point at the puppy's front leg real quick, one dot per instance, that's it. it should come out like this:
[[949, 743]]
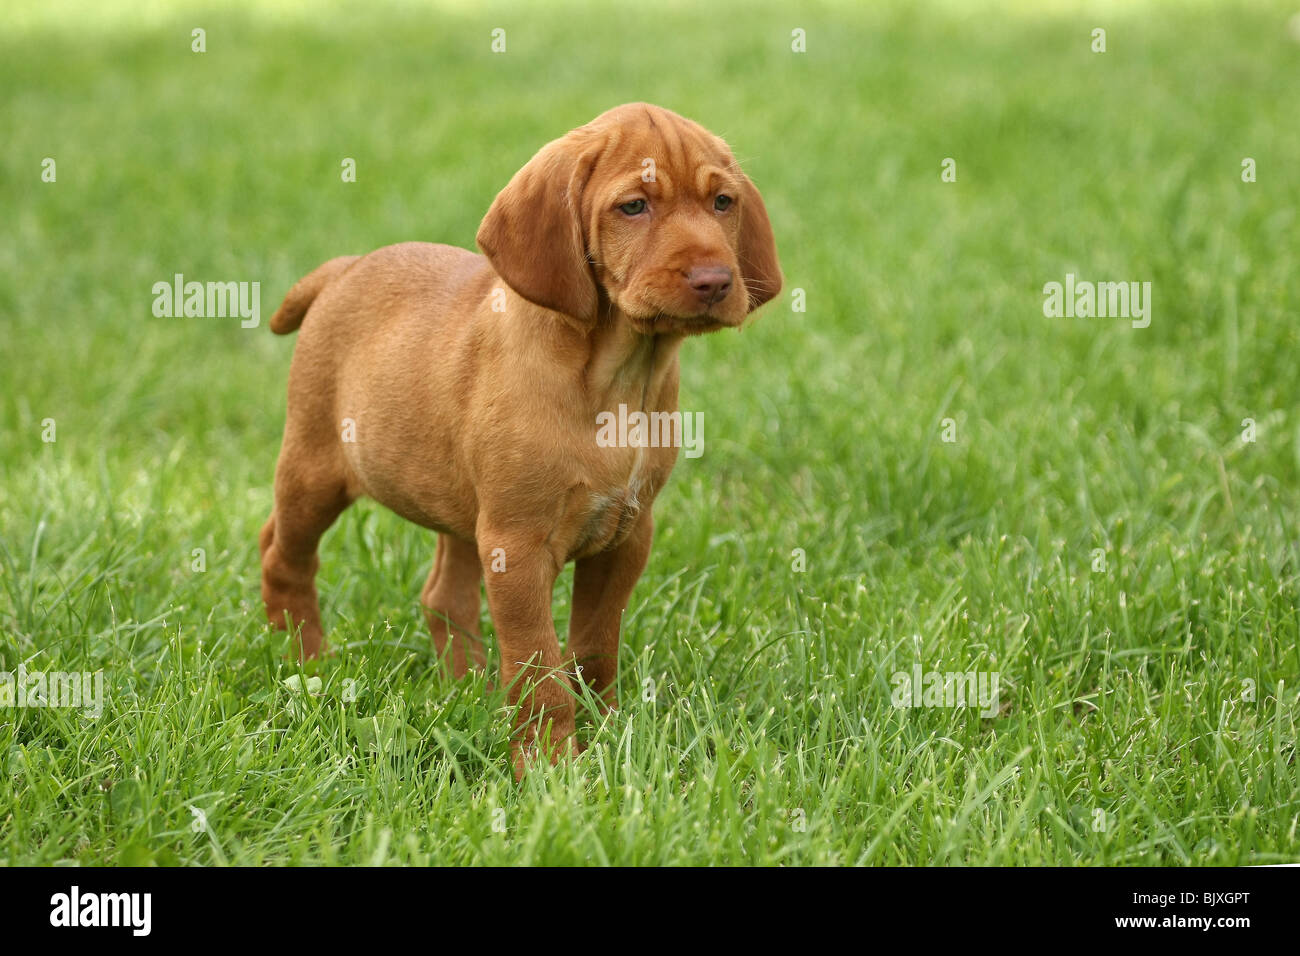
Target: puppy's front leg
[[451, 604], [520, 576], [602, 585]]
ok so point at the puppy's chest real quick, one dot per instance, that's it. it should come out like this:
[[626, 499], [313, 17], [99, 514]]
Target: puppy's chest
[[613, 505]]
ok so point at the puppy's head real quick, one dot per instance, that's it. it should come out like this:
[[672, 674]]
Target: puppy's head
[[643, 209]]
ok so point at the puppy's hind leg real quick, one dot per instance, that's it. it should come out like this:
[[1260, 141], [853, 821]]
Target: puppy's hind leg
[[452, 603], [307, 500]]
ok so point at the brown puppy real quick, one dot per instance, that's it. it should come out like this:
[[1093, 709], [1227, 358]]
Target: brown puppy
[[463, 392]]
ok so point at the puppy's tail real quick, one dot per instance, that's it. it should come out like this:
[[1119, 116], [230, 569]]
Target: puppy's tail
[[294, 308]]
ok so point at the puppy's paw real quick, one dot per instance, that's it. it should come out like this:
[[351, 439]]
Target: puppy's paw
[[533, 750]]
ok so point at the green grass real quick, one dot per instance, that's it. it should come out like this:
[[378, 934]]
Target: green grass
[[1123, 690]]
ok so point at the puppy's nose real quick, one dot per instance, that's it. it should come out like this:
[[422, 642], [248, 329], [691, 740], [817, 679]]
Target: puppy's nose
[[710, 283]]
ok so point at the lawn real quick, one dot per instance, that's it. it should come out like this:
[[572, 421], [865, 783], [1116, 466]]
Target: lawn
[[908, 463]]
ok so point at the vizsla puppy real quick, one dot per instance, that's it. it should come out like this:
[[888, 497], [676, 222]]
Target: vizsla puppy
[[463, 392]]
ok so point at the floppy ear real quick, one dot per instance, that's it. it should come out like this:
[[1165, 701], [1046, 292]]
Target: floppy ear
[[533, 234], [758, 263]]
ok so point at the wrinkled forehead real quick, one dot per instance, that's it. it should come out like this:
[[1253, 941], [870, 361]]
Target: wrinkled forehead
[[661, 153]]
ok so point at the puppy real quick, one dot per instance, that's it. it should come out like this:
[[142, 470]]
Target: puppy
[[463, 392]]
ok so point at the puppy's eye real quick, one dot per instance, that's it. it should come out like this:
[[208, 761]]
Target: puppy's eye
[[722, 203], [633, 208]]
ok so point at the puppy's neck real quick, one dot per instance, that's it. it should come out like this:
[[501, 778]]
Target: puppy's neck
[[629, 367]]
